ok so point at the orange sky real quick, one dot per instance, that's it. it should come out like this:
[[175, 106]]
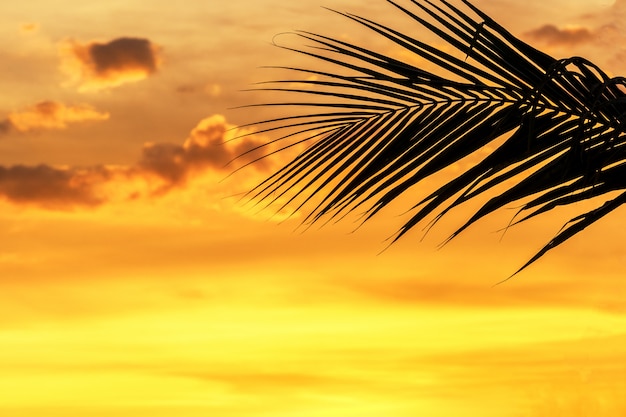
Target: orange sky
[[135, 283]]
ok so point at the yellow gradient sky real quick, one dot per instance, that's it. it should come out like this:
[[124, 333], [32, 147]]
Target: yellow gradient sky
[[133, 282]]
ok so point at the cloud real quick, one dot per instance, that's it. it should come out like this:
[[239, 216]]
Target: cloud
[[96, 66], [212, 90], [552, 35], [206, 147], [52, 187], [5, 127], [416, 291], [28, 28], [265, 381], [619, 5], [49, 115], [162, 167]]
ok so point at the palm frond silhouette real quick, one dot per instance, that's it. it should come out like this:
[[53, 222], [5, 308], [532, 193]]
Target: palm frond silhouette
[[377, 126]]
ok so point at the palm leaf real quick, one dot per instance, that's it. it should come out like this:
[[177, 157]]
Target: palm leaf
[[386, 125]]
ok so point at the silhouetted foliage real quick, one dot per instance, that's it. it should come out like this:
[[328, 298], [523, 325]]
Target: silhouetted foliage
[[378, 126]]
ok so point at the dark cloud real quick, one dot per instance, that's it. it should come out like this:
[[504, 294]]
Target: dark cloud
[[206, 149], [552, 35], [96, 65], [52, 187], [122, 54]]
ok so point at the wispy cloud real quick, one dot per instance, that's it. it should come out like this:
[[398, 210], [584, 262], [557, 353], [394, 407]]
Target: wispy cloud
[[597, 36], [552, 35], [212, 89], [28, 28], [96, 66], [49, 115], [413, 291]]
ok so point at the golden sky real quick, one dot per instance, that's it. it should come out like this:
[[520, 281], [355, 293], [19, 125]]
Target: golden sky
[[134, 282]]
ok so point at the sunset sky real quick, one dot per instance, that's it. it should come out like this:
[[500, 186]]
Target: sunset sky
[[134, 281]]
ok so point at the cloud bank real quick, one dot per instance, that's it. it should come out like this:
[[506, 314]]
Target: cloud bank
[[161, 168], [95, 66]]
